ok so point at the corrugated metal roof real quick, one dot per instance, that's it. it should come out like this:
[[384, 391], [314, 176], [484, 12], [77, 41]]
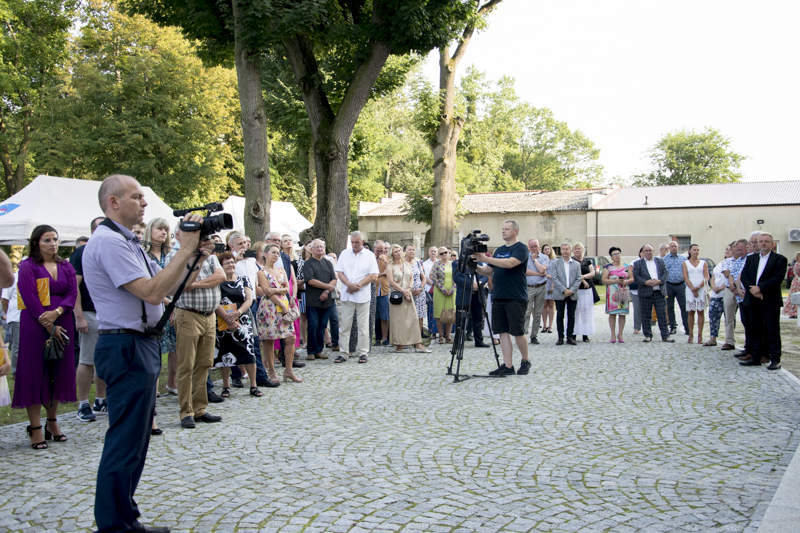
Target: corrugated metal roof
[[504, 202], [710, 195]]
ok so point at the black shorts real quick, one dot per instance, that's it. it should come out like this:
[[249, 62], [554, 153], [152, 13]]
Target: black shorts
[[508, 316]]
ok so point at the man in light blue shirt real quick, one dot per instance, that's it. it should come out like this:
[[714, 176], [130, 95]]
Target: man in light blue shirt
[[536, 279], [676, 287]]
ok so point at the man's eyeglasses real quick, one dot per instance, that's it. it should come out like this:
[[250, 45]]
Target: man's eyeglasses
[[443, 253]]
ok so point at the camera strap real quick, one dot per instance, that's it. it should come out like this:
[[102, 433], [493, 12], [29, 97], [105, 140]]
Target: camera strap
[[113, 227]]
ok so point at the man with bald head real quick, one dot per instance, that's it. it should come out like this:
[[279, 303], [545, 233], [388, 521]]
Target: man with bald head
[[676, 287], [127, 290], [651, 275]]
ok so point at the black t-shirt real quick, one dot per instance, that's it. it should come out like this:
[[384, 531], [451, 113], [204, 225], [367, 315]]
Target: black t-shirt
[[76, 260], [510, 283], [320, 270]]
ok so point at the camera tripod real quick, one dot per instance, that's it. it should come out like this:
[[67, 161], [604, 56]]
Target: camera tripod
[[462, 321]]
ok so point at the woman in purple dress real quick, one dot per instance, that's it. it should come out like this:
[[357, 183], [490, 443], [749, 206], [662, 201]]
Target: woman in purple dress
[[48, 289]]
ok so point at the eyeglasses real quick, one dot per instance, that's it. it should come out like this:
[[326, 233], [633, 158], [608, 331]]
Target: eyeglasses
[[443, 253]]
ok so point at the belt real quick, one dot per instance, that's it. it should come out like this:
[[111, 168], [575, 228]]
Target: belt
[[126, 331], [196, 311], [539, 285], [676, 282]]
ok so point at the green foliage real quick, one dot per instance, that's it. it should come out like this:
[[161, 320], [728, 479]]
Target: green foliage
[[139, 101], [33, 52], [684, 158]]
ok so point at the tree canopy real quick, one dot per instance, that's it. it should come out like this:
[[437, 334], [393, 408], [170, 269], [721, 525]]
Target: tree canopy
[[688, 157]]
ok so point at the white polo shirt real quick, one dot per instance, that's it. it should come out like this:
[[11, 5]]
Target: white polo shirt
[[356, 267]]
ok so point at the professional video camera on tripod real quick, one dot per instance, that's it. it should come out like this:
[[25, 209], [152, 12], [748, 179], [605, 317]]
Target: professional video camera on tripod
[[210, 225], [473, 243]]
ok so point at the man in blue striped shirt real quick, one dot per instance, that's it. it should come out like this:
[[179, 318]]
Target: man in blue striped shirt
[[676, 287]]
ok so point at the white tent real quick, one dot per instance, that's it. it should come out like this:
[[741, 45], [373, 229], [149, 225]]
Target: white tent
[[69, 205], [283, 217]]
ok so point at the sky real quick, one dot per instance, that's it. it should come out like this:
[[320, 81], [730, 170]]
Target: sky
[[627, 72]]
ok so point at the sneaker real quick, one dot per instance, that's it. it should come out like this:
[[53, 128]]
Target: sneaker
[[503, 370], [534, 340], [172, 391], [524, 367], [213, 397], [85, 413], [386, 342], [100, 408]]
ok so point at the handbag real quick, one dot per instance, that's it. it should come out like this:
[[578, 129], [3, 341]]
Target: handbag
[[595, 295], [623, 295], [395, 297], [52, 352], [293, 313], [448, 316]]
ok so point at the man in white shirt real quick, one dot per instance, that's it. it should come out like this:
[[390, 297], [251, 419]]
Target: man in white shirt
[[356, 269], [433, 256]]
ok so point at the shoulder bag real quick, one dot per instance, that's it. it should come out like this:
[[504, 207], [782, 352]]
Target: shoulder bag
[[52, 352]]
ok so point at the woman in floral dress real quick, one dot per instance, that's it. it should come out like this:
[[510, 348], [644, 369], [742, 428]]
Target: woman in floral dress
[[789, 309], [418, 283], [274, 304]]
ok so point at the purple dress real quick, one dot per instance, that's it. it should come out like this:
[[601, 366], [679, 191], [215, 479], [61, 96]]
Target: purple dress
[[31, 386]]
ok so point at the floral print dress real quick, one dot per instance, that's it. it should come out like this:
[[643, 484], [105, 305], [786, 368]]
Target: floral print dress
[[419, 300], [270, 322]]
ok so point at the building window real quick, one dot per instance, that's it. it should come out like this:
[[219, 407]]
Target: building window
[[684, 242]]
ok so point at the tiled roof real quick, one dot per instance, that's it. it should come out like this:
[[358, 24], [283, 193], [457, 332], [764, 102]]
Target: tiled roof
[[504, 202], [710, 195]]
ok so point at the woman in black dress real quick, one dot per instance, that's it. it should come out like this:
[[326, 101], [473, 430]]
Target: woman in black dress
[[235, 342]]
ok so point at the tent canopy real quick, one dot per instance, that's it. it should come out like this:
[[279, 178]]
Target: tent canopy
[[283, 217], [69, 205]]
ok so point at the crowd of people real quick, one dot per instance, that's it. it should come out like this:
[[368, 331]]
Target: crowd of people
[[257, 305]]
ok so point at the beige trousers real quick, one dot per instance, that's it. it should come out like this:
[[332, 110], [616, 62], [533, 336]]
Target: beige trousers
[[195, 338]]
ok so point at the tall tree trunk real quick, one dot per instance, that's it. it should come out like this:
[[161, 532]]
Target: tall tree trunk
[[254, 133], [331, 132], [312, 182], [445, 199]]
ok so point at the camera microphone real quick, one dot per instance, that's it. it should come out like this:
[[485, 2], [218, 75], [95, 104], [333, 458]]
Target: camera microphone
[[212, 207]]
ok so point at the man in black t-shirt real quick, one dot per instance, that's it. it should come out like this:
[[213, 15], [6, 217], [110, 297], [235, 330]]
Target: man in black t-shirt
[[507, 266], [86, 325], [320, 288]]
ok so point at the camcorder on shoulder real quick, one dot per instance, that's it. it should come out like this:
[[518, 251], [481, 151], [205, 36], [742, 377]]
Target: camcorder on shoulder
[[211, 223], [473, 243]]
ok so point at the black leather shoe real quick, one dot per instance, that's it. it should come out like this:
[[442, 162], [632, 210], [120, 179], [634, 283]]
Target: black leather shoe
[[647, 339], [534, 340], [560, 342], [481, 344], [668, 339], [297, 364], [187, 422], [753, 361], [138, 526], [237, 382], [208, 418], [268, 383], [571, 342], [213, 397], [774, 366], [673, 331], [741, 353], [157, 431]]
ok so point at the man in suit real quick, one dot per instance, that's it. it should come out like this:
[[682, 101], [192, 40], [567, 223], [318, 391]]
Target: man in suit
[[651, 275], [761, 279], [566, 273]]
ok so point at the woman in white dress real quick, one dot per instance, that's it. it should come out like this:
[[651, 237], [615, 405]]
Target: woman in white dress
[[584, 312], [695, 274]]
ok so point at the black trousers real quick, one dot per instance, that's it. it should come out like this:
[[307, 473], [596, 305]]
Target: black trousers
[[129, 365], [744, 315], [571, 305], [647, 303], [476, 318], [676, 292], [764, 333]]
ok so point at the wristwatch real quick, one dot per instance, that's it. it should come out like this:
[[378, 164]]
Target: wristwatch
[[59, 311]]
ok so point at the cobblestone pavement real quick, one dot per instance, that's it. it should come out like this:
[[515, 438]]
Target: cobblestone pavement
[[598, 437]]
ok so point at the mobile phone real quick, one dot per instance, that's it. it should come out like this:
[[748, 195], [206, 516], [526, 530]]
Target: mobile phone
[[64, 337], [250, 253]]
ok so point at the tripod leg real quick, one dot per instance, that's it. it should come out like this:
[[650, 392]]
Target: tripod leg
[[482, 300]]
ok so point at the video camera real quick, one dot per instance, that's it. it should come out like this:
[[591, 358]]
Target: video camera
[[471, 244], [210, 224]]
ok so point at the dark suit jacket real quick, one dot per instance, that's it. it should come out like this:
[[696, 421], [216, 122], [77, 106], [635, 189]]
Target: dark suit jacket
[[641, 274], [770, 281], [462, 298]]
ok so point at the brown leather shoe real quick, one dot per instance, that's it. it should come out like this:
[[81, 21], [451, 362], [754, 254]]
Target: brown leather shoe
[[726, 347], [744, 357], [321, 355]]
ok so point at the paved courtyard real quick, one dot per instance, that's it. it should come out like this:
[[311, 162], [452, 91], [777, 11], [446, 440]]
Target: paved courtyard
[[598, 437]]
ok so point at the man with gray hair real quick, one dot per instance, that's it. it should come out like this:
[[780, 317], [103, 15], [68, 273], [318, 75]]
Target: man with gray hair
[[663, 250], [676, 288], [321, 286], [356, 269]]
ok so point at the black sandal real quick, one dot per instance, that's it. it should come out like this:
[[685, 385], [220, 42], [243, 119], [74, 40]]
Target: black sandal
[[226, 392], [255, 392], [156, 431], [36, 445], [48, 435]]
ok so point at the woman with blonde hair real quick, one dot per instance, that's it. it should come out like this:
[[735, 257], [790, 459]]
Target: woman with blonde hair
[[549, 311], [444, 295], [403, 320], [584, 312]]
